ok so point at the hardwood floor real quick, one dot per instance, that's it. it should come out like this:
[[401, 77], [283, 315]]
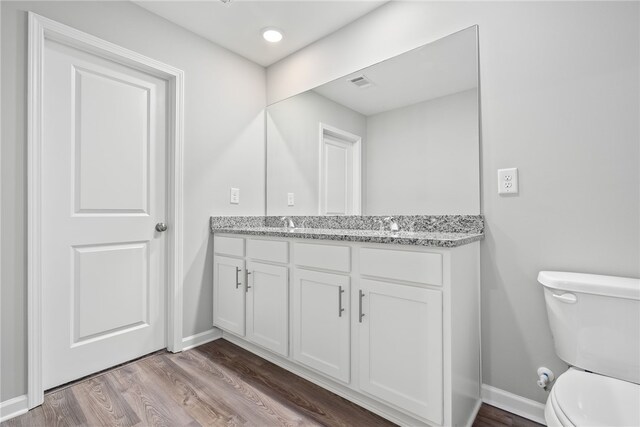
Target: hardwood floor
[[212, 385], [490, 416]]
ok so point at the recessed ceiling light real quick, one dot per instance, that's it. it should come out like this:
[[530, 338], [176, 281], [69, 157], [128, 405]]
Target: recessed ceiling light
[[272, 35]]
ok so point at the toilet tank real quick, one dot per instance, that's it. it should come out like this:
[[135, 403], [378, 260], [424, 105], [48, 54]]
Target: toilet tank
[[595, 322]]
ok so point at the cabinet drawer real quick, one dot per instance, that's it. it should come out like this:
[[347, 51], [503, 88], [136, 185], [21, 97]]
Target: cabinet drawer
[[419, 267], [328, 257], [228, 245], [268, 250]]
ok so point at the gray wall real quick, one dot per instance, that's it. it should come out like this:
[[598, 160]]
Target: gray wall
[[560, 101], [410, 149], [224, 147]]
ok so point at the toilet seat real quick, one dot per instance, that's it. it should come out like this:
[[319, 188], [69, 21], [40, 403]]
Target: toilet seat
[[553, 414], [585, 399]]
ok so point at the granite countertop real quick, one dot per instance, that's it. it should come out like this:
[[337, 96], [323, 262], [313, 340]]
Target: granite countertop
[[417, 238]]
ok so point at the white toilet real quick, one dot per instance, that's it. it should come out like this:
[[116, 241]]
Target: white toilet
[[595, 321]]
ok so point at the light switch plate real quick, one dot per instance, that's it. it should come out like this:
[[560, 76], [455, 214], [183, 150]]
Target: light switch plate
[[235, 196], [508, 181], [291, 200]]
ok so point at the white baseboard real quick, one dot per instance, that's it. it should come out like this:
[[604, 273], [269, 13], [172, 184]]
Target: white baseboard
[[474, 413], [513, 403], [201, 338], [13, 407]]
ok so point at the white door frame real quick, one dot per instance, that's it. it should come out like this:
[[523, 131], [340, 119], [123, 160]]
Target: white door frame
[[325, 129], [41, 29]]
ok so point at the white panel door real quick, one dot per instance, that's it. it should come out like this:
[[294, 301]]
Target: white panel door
[[268, 306], [229, 294], [321, 326], [400, 346], [103, 184], [340, 178], [338, 188]]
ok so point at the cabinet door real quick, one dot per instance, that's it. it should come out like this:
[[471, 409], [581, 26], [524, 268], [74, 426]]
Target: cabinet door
[[321, 334], [268, 306], [229, 294], [400, 346]]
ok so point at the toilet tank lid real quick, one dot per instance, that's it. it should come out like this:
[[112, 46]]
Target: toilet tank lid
[[620, 287]]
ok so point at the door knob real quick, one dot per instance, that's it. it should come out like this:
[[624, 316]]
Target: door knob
[[161, 226]]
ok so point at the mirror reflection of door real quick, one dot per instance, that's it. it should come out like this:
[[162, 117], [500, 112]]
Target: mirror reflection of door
[[340, 177]]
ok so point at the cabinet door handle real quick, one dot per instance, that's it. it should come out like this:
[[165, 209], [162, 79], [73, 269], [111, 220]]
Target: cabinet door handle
[[340, 309], [237, 278], [360, 313], [247, 278]]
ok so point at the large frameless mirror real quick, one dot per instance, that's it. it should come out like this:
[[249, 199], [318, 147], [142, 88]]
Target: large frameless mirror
[[398, 137]]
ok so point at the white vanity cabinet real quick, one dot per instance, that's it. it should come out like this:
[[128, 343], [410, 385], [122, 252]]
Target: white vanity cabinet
[[229, 294], [394, 328], [267, 306], [251, 297], [321, 322], [400, 325], [321, 315]]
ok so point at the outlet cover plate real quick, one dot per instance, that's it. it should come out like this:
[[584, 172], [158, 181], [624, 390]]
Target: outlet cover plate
[[508, 181]]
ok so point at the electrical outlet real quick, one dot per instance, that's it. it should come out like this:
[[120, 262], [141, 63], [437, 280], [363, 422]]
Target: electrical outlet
[[508, 181], [291, 200], [235, 196]]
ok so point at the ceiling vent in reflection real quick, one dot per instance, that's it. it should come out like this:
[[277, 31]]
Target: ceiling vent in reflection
[[361, 81]]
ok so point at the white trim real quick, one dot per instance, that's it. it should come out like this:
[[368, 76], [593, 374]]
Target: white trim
[[1, 190], [13, 407], [474, 413], [41, 28], [201, 338], [513, 403], [356, 208]]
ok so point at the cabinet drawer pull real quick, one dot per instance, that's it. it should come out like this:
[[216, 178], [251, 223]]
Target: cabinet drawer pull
[[361, 314], [247, 281], [340, 309], [237, 278]]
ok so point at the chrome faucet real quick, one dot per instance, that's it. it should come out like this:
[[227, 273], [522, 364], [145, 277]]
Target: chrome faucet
[[288, 222], [393, 225]]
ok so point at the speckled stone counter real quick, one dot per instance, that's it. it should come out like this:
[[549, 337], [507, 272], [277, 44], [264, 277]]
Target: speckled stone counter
[[439, 231]]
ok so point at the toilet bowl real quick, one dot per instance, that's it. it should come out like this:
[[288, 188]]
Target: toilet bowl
[[581, 398], [595, 322]]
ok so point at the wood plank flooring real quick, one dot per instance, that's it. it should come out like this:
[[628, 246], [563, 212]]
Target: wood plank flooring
[[490, 416], [216, 384]]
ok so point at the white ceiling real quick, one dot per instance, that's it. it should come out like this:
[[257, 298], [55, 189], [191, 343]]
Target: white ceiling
[[237, 25], [444, 67]]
